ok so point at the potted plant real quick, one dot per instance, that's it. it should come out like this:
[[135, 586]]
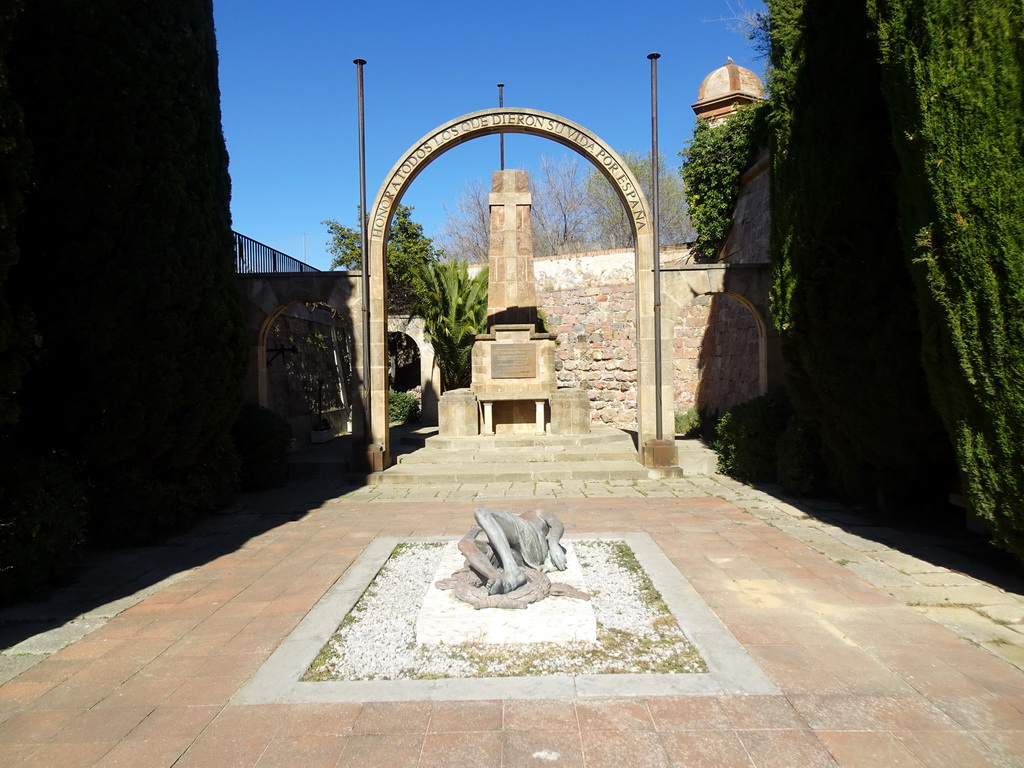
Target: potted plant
[[322, 431]]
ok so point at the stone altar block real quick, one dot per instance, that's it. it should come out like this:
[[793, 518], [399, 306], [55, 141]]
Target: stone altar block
[[458, 414], [570, 412], [513, 379]]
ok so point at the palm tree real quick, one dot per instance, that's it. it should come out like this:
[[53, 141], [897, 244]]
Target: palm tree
[[453, 306]]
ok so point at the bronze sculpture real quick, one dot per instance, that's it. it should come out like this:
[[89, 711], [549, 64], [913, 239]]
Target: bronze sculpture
[[508, 569]]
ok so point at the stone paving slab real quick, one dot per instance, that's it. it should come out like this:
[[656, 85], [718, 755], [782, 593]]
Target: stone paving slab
[[863, 677]]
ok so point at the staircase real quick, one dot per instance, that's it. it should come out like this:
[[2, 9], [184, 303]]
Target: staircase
[[604, 454]]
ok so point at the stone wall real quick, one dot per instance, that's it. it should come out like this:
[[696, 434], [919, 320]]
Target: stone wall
[[728, 357], [596, 347], [687, 337], [716, 338], [747, 241]]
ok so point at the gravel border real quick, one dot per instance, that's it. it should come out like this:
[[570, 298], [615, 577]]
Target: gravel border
[[637, 634], [730, 669]]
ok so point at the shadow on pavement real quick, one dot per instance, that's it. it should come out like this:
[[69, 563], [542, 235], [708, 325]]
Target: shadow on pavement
[[942, 538], [105, 577]]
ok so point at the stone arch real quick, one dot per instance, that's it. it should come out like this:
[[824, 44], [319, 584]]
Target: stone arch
[[548, 126], [430, 376], [265, 297], [289, 391], [748, 284]]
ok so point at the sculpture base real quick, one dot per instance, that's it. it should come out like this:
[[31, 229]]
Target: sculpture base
[[445, 619]]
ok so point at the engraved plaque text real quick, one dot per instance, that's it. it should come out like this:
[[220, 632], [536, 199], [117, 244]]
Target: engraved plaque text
[[513, 361]]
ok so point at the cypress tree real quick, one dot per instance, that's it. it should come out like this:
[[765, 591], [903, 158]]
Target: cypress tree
[[843, 301], [126, 246], [953, 75], [15, 324]]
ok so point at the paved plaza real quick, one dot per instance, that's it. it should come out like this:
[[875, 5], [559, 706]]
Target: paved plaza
[[886, 647]]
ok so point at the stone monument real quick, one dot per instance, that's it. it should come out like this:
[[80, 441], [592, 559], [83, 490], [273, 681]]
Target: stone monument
[[513, 388]]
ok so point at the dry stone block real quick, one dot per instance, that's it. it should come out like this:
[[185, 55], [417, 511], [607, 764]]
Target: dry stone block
[[458, 414]]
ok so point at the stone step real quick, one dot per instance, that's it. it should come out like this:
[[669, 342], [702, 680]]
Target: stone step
[[505, 456], [599, 436], [556, 471], [323, 461], [695, 458]]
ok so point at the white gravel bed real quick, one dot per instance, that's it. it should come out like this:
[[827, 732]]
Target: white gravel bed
[[636, 632]]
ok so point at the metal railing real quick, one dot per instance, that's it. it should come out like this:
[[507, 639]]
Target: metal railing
[[253, 257]]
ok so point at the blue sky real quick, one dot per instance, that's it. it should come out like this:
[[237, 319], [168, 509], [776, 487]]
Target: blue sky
[[288, 93]]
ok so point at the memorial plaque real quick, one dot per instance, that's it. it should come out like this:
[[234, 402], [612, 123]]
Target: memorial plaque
[[513, 361]]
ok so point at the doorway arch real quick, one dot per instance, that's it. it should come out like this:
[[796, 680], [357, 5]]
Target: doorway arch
[[587, 144]]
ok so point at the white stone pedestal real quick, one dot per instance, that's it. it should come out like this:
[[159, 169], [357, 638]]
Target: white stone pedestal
[[444, 619]]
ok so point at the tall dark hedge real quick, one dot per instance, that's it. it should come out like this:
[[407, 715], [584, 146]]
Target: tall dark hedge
[[126, 244], [843, 300], [15, 319], [954, 78]]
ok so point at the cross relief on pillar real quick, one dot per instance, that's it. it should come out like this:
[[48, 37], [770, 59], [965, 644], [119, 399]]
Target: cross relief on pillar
[[512, 296]]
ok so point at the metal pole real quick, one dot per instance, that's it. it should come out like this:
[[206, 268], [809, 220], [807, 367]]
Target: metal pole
[[655, 206], [501, 103], [365, 246]]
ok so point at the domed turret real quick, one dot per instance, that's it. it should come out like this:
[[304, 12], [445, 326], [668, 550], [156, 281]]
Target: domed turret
[[726, 88]]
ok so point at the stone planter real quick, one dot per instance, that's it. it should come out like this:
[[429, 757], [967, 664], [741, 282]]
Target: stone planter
[[320, 435]]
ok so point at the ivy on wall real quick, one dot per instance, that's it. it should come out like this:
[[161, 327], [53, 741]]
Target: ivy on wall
[[843, 302], [713, 162], [953, 74]]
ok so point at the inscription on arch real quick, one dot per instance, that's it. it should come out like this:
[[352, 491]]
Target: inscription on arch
[[507, 121]]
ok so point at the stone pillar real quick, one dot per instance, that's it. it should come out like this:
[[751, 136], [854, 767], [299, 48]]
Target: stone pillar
[[512, 296]]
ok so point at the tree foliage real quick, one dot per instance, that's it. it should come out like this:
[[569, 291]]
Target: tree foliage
[[843, 301], [953, 74], [562, 211], [409, 250], [126, 245], [713, 163], [610, 220], [453, 306], [466, 231], [575, 209]]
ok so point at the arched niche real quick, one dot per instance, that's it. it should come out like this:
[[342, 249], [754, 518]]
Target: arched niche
[[577, 138], [265, 296], [748, 285]]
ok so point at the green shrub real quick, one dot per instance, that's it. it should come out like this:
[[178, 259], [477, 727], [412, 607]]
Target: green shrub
[[748, 436], [261, 439], [42, 526], [128, 507], [843, 300], [686, 422], [800, 467], [403, 407], [952, 74], [16, 324], [121, 109], [693, 424]]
